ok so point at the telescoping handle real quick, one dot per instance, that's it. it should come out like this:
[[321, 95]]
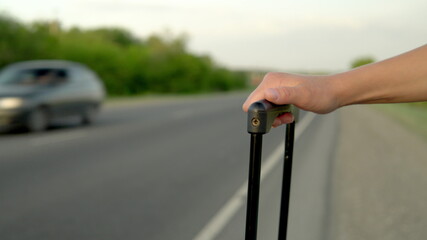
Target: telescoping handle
[[261, 116]]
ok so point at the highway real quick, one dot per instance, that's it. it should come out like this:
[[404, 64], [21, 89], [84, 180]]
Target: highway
[[160, 169]]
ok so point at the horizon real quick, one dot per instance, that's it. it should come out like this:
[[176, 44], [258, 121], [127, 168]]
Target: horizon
[[275, 35]]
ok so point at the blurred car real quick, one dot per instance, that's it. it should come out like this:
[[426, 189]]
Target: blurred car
[[34, 93]]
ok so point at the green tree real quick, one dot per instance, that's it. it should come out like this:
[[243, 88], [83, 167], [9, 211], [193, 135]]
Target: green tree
[[20, 42], [362, 61], [128, 65], [118, 36]]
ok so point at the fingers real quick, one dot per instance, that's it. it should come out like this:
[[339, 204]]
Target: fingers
[[255, 96], [276, 88], [281, 95], [271, 80], [272, 95], [275, 96], [283, 119]]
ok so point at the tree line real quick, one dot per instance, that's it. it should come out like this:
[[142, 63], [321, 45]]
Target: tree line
[[128, 65]]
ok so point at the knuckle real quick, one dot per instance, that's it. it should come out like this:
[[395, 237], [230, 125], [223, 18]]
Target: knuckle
[[271, 76], [284, 92]]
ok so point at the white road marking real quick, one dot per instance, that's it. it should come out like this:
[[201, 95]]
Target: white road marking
[[58, 138], [226, 213]]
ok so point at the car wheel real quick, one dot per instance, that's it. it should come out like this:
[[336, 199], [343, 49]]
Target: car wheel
[[37, 120], [89, 115]]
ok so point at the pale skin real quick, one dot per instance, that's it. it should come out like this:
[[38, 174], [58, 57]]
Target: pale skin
[[402, 78]]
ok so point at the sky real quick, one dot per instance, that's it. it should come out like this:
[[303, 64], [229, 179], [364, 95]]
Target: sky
[[276, 35]]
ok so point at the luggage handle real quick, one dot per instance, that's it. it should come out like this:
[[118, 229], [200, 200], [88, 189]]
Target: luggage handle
[[261, 116]]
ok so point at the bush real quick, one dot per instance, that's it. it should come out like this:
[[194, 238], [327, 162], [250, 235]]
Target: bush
[[127, 64], [362, 61]]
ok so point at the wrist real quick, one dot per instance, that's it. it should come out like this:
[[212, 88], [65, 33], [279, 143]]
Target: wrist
[[336, 90], [353, 87]]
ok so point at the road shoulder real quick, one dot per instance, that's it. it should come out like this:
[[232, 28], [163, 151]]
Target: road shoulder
[[379, 179]]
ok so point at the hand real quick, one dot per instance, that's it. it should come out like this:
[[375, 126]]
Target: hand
[[310, 93]]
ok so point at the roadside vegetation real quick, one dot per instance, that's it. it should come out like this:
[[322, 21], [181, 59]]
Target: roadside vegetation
[[412, 115], [129, 65], [157, 64]]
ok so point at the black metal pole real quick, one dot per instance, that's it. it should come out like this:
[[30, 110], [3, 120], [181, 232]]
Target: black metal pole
[[286, 182], [253, 187]]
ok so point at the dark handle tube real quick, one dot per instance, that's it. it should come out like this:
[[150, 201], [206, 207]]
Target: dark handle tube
[[253, 187], [261, 116], [286, 181]]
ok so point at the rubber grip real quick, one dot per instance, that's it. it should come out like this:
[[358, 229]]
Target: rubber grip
[[261, 115]]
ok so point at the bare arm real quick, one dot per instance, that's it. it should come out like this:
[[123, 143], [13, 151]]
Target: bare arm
[[399, 79]]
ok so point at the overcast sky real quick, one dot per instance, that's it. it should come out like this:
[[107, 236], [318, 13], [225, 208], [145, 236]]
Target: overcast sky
[[267, 34]]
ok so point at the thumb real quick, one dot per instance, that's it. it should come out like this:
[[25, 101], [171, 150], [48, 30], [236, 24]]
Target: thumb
[[282, 95]]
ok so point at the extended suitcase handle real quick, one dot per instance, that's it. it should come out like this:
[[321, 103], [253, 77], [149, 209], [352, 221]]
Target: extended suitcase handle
[[261, 115]]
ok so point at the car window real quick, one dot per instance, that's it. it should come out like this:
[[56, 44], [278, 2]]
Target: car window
[[6, 75], [35, 76], [84, 76]]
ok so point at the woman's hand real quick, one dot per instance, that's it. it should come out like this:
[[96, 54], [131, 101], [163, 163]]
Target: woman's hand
[[310, 93]]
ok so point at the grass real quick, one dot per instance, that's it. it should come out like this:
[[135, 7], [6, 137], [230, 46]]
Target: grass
[[412, 115]]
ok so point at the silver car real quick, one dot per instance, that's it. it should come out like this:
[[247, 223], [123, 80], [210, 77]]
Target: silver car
[[34, 93]]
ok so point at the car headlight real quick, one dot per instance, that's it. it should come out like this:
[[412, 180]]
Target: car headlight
[[10, 103]]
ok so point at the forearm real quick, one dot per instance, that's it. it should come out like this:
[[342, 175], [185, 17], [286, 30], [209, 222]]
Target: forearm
[[399, 79]]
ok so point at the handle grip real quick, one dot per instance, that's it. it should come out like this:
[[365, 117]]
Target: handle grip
[[261, 115]]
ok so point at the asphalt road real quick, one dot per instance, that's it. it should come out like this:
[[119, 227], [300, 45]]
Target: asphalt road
[[157, 170]]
